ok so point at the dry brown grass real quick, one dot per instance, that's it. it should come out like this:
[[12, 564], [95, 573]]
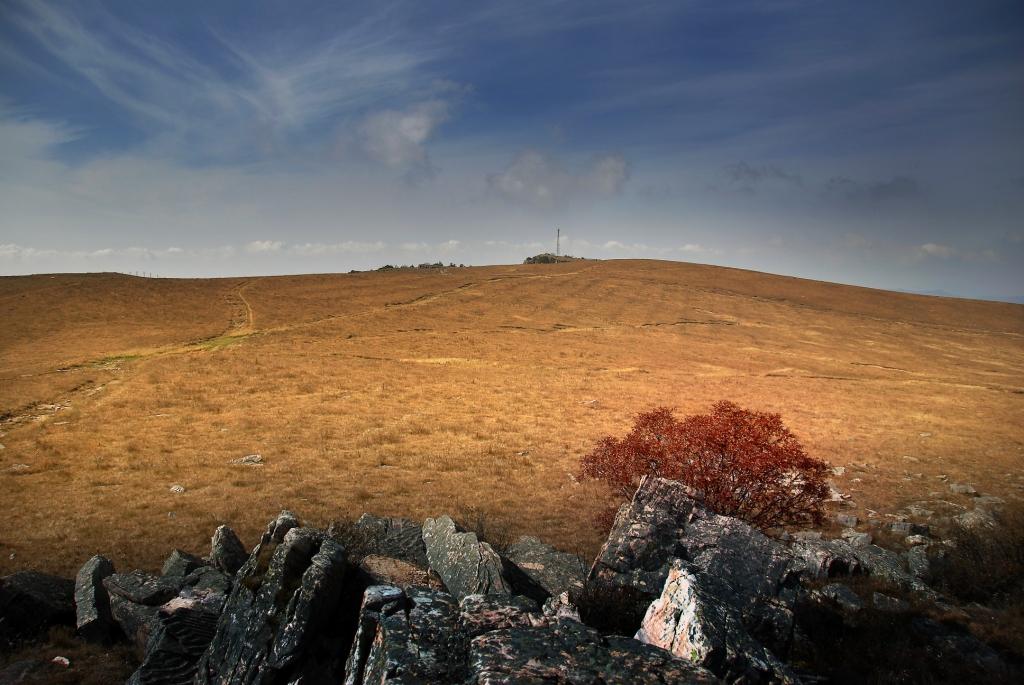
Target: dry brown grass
[[90, 664], [419, 392]]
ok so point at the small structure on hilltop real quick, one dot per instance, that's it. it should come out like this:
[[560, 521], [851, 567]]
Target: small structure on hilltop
[[548, 258]]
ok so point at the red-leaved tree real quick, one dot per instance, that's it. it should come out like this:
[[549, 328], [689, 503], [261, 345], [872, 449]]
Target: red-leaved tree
[[737, 462]]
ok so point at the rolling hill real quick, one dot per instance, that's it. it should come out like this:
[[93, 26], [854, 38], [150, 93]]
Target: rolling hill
[[468, 390]]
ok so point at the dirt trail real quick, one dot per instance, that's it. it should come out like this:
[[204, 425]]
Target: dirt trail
[[235, 332], [415, 302], [244, 327]]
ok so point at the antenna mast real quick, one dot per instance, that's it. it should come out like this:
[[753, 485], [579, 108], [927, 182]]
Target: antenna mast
[[558, 241]]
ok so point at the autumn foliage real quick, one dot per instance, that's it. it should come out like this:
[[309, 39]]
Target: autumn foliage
[[738, 462]]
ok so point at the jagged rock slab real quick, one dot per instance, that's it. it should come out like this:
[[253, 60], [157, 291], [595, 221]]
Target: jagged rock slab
[[182, 631], [392, 537], [179, 564], [754, 574], [479, 614], [840, 595], [136, 621], [378, 601], [423, 636], [140, 587], [747, 570], [556, 572], [209, 579], [31, 602], [94, 621], [418, 643], [887, 564], [919, 563], [692, 621], [569, 652], [226, 551], [828, 558], [283, 602], [646, 536], [465, 565]]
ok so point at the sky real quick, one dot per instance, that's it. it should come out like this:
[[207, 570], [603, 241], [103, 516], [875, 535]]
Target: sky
[[873, 143]]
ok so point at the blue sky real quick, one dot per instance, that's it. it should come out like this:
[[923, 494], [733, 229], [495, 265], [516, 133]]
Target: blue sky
[[874, 143]]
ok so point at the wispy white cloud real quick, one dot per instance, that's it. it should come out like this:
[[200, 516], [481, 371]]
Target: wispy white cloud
[[14, 251], [248, 102], [939, 251], [397, 138], [345, 247], [535, 179], [264, 246]]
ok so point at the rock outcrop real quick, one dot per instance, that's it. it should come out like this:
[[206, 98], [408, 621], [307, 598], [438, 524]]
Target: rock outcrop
[[646, 536], [183, 629], [826, 558], [434, 604], [226, 551], [283, 602], [725, 591], [423, 636], [465, 565], [556, 572], [178, 565], [92, 603], [139, 587], [396, 538], [753, 573], [691, 620]]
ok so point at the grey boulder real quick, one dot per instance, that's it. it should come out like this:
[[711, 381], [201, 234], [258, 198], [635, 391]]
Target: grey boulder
[[226, 551], [425, 636], [569, 652], [94, 621], [179, 564], [182, 630], [556, 572], [465, 565], [753, 574], [693, 619], [140, 587], [392, 537]]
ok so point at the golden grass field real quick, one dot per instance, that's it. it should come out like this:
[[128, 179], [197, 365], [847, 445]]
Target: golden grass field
[[417, 392]]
